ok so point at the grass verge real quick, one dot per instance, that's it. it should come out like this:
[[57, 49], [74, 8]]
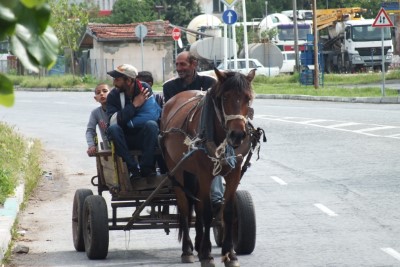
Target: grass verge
[[333, 84], [20, 161], [340, 85]]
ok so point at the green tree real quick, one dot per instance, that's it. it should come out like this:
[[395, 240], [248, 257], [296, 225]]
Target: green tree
[[128, 11], [25, 24], [69, 22], [180, 12]]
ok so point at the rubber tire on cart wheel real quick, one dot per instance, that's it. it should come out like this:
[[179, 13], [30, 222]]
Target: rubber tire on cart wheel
[[244, 228], [95, 227], [218, 235], [77, 217]]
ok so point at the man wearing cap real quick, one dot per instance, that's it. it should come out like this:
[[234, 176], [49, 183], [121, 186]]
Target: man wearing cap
[[123, 104]]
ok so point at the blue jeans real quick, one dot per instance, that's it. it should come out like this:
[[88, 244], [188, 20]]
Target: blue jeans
[[217, 190], [141, 138]]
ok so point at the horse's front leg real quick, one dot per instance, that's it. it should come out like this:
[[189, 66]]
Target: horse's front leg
[[205, 214], [228, 254]]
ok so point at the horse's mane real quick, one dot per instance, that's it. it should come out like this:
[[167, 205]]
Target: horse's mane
[[230, 81]]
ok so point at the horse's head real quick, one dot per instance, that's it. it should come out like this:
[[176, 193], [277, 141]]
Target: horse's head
[[232, 95]]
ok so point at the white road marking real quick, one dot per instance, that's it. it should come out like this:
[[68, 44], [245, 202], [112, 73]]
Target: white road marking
[[392, 253], [374, 129], [365, 129], [342, 125], [393, 136], [278, 180], [325, 209], [312, 121]]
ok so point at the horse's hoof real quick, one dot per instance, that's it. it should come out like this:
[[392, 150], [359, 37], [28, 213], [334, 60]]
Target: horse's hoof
[[230, 260], [232, 264], [187, 258], [207, 263]]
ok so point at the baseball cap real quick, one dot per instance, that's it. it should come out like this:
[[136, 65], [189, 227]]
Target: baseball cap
[[124, 70]]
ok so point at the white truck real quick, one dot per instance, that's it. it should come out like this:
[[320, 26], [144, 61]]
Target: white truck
[[352, 44], [284, 37]]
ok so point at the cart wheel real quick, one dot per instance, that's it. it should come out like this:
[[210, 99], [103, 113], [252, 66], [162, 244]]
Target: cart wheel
[[244, 231], [77, 217], [95, 227]]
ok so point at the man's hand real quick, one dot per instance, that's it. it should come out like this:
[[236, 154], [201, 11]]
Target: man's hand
[[141, 98], [102, 125], [91, 151]]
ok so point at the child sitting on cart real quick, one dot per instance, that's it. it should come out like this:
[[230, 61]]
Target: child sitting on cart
[[98, 117]]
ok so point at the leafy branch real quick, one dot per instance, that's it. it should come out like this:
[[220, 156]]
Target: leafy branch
[[32, 41]]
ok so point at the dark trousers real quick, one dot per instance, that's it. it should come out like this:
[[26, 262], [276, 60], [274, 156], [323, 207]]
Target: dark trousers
[[142, 138]]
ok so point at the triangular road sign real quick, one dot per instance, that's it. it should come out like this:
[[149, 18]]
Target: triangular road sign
[[382, 20], [229, 3]]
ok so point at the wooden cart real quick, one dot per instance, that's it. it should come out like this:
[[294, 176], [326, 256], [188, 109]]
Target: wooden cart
[[151, 204]]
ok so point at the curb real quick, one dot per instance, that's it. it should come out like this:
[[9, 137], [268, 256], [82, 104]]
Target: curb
[[8, 215]]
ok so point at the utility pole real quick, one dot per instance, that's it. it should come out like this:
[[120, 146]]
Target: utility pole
[[296, 36], [315, 32]]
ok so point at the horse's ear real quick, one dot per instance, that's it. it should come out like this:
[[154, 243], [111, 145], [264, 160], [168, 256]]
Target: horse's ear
[[221, 76], [251, 75]]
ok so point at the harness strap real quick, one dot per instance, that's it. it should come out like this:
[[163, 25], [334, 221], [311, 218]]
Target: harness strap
[[255, 146]]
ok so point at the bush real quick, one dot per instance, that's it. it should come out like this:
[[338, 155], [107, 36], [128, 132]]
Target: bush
[[7, 184]]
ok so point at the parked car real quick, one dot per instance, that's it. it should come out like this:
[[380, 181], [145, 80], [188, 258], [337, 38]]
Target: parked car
[[289, 62], [241, 63]]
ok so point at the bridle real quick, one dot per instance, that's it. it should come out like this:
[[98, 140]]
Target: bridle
[[224, 118]]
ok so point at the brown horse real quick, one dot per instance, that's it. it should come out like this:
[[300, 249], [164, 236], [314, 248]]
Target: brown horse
[[183, 143]]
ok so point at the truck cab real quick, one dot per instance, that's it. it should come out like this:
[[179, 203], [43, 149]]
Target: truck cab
[[363, 44]]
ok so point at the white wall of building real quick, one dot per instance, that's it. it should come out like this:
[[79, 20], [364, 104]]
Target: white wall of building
[[158, 56]]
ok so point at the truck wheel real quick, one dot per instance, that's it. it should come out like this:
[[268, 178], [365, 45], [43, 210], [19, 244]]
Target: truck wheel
[[244, 228], [95, 227], [340, 64], [77, 217], [329, 68]]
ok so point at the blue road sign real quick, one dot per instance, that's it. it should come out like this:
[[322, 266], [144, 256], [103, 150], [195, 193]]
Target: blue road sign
[[390, 5], [229, 16]]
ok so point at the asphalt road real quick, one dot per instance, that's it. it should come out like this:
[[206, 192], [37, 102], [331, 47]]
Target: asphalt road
[[325, 187]]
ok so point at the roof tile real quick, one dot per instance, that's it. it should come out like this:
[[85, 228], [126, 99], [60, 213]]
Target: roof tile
[[156, 29]]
